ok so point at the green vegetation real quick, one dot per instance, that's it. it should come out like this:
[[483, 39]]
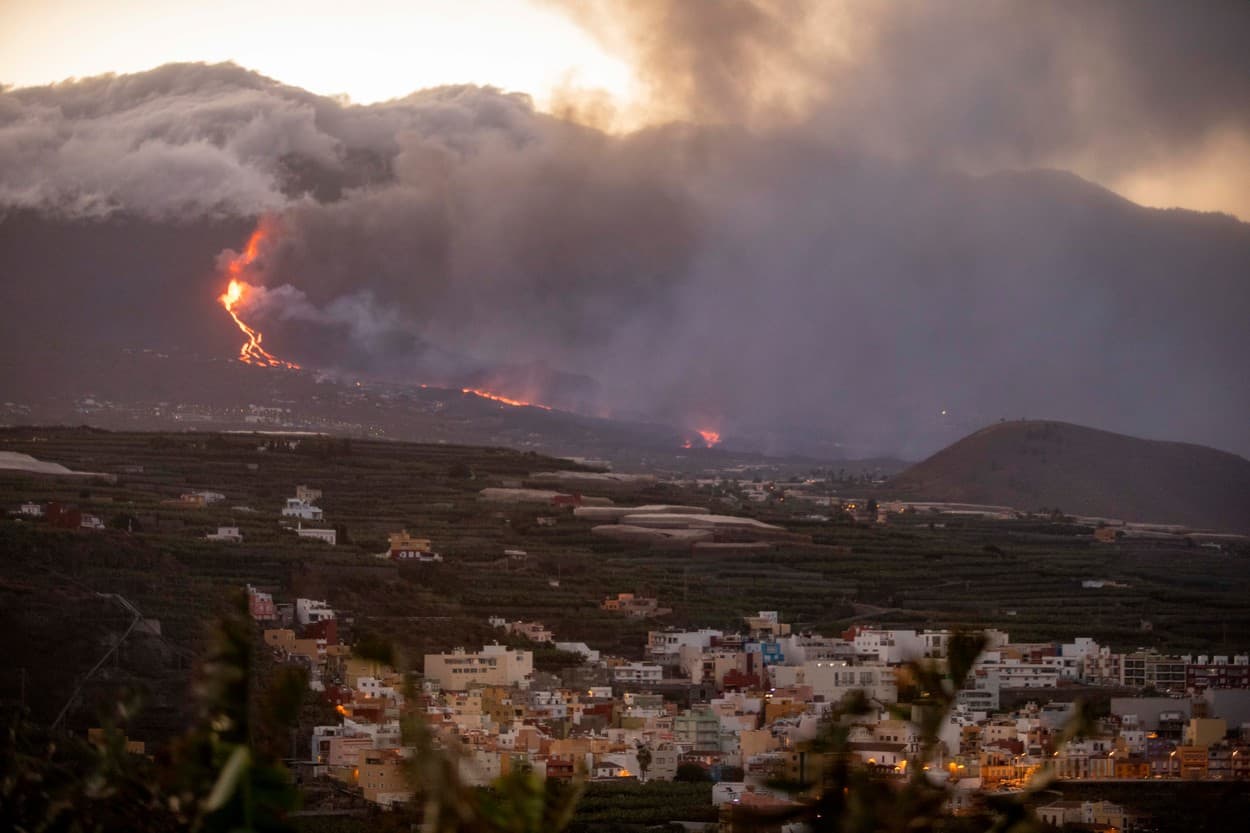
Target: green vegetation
[[222, 774], [920, 570], [653, 803]]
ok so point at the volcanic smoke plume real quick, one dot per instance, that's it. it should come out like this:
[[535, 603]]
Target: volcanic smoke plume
[[843, 227]]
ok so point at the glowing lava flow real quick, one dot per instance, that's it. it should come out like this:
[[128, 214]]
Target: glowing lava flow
[[251, 352], [710, 437], [494, 397]]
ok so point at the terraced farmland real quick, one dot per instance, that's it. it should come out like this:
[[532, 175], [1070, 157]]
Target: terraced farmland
[[920, 570]]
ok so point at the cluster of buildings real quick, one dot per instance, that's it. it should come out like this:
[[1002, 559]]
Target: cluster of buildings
[[303, 507], [746, 708], [61, 515], [1090, 815], [305, 632], [533, 631]]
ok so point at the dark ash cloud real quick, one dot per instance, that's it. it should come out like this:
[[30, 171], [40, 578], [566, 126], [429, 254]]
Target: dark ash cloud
[[829, 237], [1149, 97]]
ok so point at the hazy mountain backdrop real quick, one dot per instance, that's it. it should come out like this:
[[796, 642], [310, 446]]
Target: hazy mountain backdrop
[[759, 282]]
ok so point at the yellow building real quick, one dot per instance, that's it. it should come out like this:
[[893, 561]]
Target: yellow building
[[497, 703], [756, 742], [1205, 731], [279, 637], [1192, 761], [353, 668], [775, 710], [404, 546], [383, 778], [494, 665]]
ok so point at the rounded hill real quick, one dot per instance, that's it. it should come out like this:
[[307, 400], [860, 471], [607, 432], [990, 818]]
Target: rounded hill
[[1035, 465]]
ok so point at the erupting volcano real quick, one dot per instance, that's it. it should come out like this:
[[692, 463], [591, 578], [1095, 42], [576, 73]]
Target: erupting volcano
[[251, 351]]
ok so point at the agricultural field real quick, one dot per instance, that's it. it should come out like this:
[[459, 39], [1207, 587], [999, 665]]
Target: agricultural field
[[917, 571]]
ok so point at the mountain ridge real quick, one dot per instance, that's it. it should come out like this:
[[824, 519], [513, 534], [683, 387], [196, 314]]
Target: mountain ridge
[[703, 276]]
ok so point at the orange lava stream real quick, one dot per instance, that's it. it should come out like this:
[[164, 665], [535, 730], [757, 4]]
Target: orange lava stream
[[251, 352], [710, 438], [494, 397]]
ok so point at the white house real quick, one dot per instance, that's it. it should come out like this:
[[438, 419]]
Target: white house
[[308, 611], [638, 672], [296, 508], [891, 646], [373, 687], [32, 510], [667, 644], [1017, 673], [880, 753], [834, 680], [588, 653], [229, 534], [328, 536]]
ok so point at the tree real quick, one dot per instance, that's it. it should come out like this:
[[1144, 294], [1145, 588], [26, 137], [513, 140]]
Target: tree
[[691, 774], [224, 774], [644, 760], [851, 797]]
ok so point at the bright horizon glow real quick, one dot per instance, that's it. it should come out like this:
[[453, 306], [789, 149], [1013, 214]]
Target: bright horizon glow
[[376, 51]]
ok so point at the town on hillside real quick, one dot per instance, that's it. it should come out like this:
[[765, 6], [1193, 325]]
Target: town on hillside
[[681, 643], [744, 710]]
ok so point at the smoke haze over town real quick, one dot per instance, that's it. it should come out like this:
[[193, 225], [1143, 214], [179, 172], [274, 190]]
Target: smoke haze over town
[[881, 226], [586, 416]]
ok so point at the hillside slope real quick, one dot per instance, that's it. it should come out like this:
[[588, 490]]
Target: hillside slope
[[1034, 464]]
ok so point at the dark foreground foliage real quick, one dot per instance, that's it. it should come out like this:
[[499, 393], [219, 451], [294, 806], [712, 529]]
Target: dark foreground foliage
[[225, 773]]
